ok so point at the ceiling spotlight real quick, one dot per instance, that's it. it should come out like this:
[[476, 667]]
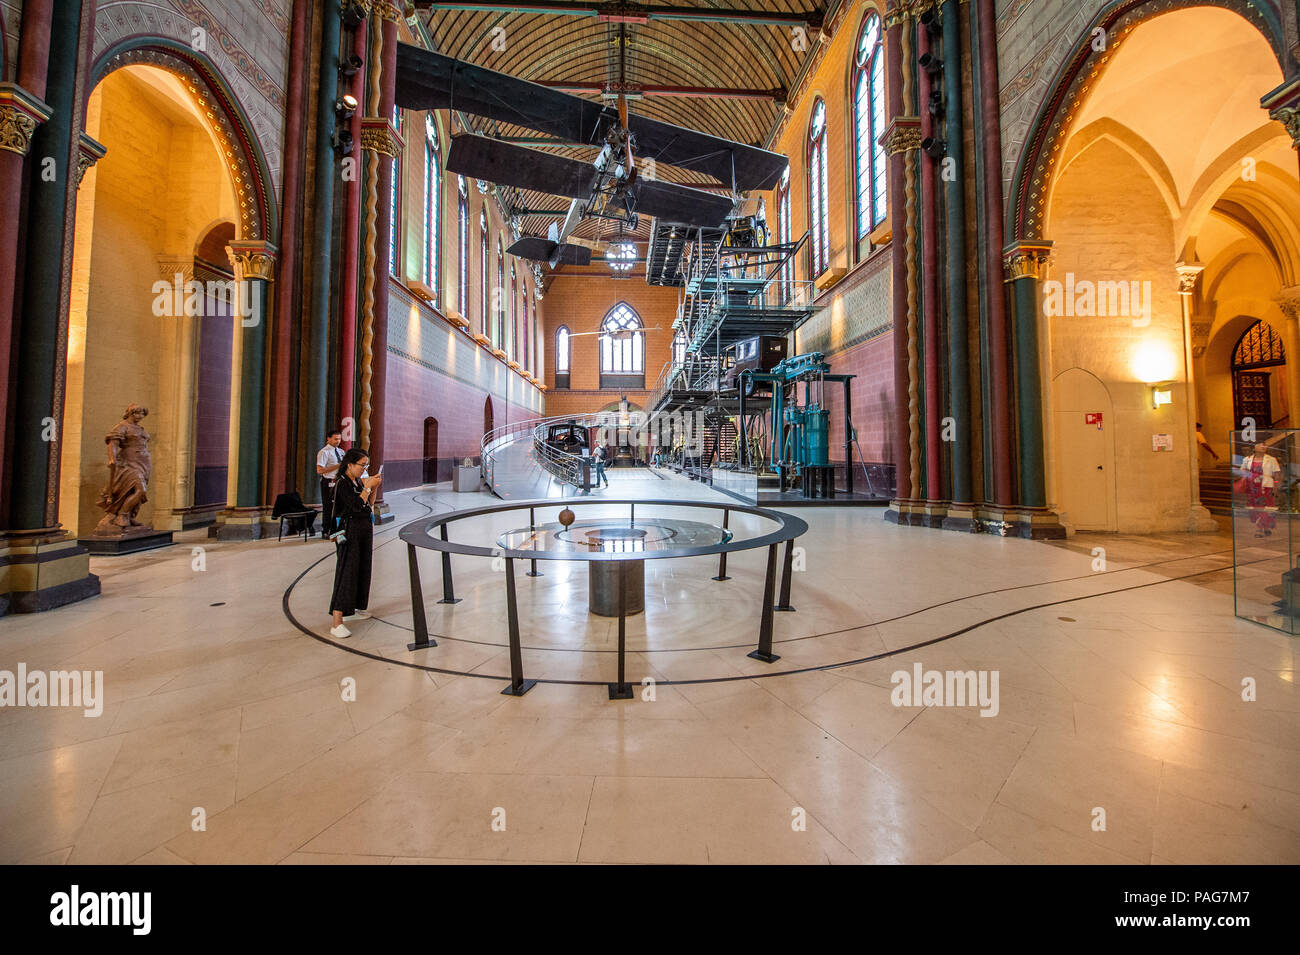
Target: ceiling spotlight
[[343, 141], [930, 20], [351, 66], [930, 63], [934, 148], [346, 107]]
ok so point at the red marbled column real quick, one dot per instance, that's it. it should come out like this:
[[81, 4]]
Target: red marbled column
[[281, 473], [898, 260], [379, 358], [991, 145], [930, 286]]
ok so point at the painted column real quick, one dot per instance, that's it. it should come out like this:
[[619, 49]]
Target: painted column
[[254, 266], [283, 472], [182, 334], [317, 350], [903, 133], [52, 175], [20, 113], [350, 266], [990, 145], [933, 377], [1023, 262], [380, 142], [955, 251]]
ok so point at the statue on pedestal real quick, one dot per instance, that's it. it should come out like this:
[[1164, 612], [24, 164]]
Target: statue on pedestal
[[128, 476]]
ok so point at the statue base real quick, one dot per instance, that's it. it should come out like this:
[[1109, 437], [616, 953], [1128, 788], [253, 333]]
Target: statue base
[[115, 541]]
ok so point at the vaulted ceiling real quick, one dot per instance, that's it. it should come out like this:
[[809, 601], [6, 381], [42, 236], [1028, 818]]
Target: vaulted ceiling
[[720, 66]]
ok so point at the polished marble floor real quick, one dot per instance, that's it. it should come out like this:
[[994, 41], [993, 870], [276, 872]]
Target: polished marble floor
[[1120, 690]]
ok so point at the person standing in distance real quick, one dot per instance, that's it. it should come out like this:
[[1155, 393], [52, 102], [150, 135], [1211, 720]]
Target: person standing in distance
[[328, 459], [353, 499]]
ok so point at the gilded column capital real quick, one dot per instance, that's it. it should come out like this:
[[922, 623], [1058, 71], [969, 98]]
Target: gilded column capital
[[252, 259], [387, 10], [1283, 105], [20, 114], [902, 133], [1025, 259], [379, 135]]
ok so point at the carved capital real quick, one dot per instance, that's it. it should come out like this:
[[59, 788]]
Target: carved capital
[[20, 114], [387, 10], [1283, 105], [1025, 260], [902, 133], [1289, 302], [252, 260], [378, 135], [1289, 116], [1187, 276], [89, 152]]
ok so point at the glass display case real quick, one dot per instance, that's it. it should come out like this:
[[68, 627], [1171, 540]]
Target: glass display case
[[1265, 513]]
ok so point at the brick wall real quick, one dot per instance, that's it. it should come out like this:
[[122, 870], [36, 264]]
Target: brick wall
[[580, 299]]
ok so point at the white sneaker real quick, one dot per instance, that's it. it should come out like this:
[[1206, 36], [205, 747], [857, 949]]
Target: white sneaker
[[340, 632], [359, 615]]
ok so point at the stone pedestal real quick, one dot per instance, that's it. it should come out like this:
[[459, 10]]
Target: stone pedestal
[[43, 571], [127, 540]]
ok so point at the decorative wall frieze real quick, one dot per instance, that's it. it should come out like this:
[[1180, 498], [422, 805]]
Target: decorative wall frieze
[[902, 133], [252, 259], [20, 114], [1025, 260]]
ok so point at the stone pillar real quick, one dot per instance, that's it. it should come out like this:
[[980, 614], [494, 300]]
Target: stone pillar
[[349, 268], [380, 143], [989, 146], [1023, 262], [20, 114], [247, 505], [1198, 517], [929, 228], [40, 566], [185, 337], [961, 510]]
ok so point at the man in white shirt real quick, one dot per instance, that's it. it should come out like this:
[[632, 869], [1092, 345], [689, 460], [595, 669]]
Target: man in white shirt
[[328, 460]]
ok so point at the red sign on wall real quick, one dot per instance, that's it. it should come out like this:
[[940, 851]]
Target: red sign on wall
[[1092, 417]]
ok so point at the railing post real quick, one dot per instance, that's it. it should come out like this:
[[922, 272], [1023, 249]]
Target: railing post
[[448, 591], [722, 558], [532, 526], [518, 686], [421, 626], [764, 651]]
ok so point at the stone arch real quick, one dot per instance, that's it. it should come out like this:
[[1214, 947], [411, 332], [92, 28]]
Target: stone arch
[[1036, 167], [1142, 152], [247, 160]]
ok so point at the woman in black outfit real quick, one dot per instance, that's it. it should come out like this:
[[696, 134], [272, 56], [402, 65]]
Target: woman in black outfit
[[353, 495]]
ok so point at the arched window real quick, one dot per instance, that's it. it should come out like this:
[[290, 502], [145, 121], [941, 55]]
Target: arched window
[[868, 126], [622, 349], [783, 233], [394, 206], [562, 357], [513, 327], [498, 301], [462, 242], [483, 271], [818, 204], [432, 209]]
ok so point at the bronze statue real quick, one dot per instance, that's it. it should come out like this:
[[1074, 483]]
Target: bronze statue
[[128, 473]]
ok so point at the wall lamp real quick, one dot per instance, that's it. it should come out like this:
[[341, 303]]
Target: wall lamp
[[350, 66], [934, 148], [346, 107], [930, 20], [930, 63], [353, 15], [342, 140], [1162, 393]]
